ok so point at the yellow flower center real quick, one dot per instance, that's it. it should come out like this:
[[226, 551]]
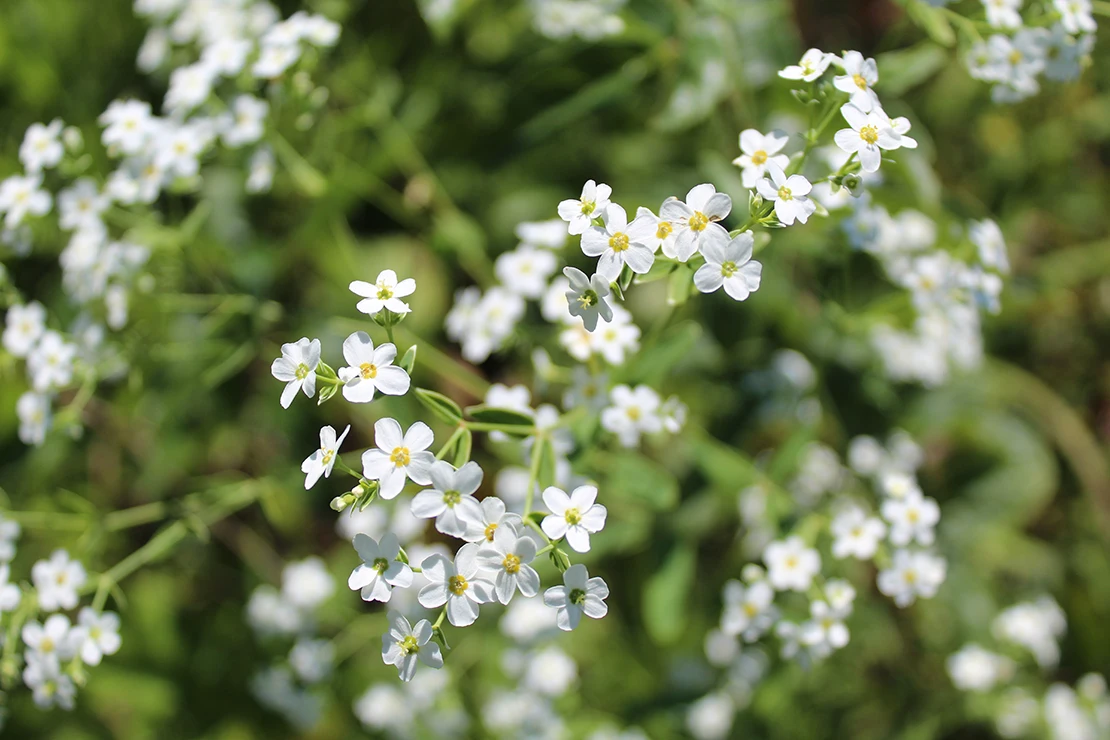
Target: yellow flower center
[[328, 455], [588, 207], [368, 370], [751, 609], [728, 269], [408, 645], [301, 372], [664, 230], [618, 242], [1015, 56], [698, 221], [912, 515], [860, 82], [791, 562], [511, 563], [759, 157], [400, 456], [384, 292], [910, 577], [633, 413], [457, 585], [490, 529], [46, 645], [870, 134], [587, 299], [785, 194], [572, 516]]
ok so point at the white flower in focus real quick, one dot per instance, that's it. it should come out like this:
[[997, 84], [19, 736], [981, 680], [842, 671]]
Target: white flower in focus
[[812, 65], [459, 585], [911, 518], [578, 595], [23, 325], [790, 564], [728, 263], [451, 499], [404, 644], [616, 246], [42, 148], [580, 213], [632, 413], [386, 292], [297, 368], [57, 581], [860, 75], [508, 557], [586, 297], [912, 574], [575, 517], [398, 456], [855, 534], [748, 611], [370, 369], [869, 134], [99, 635], [321, 461], [493, 517], [380, 570], [653, 232], [525, 270], [759, 150], [694, 218], [788, 194]]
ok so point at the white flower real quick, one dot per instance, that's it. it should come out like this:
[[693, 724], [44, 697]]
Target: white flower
[[728, 263], [245, 123], [1075, 16], [788, 194], [748, 611], [404, 644], [380, 570], [855, 534], [41, 148], [508, 556], [790, 564], [580, 213], [974, 668], [385, 293], [1003, 13], [23, 325], [80, 205], [586, 297], [48, 684], [50, 363], [911, 518], [305, 584], [575, 517], [260, 176], [694, 218], [616, 245], [312, 660], [673, 414], [839, 594], [869, 134], [525, 270], [99, 635], [128, 126], [23, 196], [9, 533], [1036, 626], [227, 56], [653, 232], [493, 517], [898, 484], [578, 595], [551, 234], [457, 584], [399, 457], [10, 595], [55, 639], [33, 410], [987, 237], [632, 412], [178, 148], [321, 461], [370, 369], [825, 631], [297, 368], [711, 716], [813, 64], [451, 499], [586, 390], [57, 581], [189, 87], [859, 76], [912, 574], [758, 150]]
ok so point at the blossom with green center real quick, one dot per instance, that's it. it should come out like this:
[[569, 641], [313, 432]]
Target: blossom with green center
[[459, 585], [297, 368], [728, 263], [405, 644], [575, 517], [586, 297], [789, 195], [579, 213], [321, 461], [578, 595], [451, 499], [384, 293], [616, 246], [380, 571]]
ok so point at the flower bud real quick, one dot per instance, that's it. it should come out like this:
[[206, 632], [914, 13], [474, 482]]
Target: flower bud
[[339, 503], [755, 203], [752, 573], [854, 183]]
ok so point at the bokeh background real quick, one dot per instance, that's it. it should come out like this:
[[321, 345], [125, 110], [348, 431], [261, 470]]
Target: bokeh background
[[436, 141]]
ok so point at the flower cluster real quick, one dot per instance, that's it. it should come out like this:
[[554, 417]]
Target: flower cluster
[[589, 20]]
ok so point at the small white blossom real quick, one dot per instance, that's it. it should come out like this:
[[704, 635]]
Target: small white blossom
[[57, 581], [380, 571], [451, 499], [459, 585], [749, 611], [399, 456], [385, 293], [525, 270], [855, 534], [616, 245], [788, 194], [21, 197], [579, 213], [758, 151], [578, 595], [695, 217], [297, 368], [812, 65], [508, 557], [405, 644], [41, 148], [575, 517], [728, 263], [321, 461], [99, 633], [911, 518], [586, 297], [870, 133], [790, 564], [23, 326], [860, 75], [370, 369], [632, 413], [912, 574]]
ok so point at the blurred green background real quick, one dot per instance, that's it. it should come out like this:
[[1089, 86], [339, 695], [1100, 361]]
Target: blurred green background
[[435, 144]]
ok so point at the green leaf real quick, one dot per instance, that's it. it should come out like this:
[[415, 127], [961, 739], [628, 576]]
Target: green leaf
[[666, 595], [494, 415], [932, 21], [408, 362], [661, 268], [625, 278], [546, 451], [633, 477], [327, 390], [657, 361], [440, 405], [680, 286], [907, 68], [463, 448]]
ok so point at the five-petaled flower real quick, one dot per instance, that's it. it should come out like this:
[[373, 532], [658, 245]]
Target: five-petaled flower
[[385, 292], [297, 368], [575, 517], [578, 595], [370, 369], [405, 643], [398, 456]]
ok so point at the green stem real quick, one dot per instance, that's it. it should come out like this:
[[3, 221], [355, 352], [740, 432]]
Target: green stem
[[450, 442], [440, 618], [481, 426], [347, 468], [533, 472]]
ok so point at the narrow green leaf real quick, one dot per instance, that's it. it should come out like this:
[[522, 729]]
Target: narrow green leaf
[[666, 593], [493, 415], [440, 405]]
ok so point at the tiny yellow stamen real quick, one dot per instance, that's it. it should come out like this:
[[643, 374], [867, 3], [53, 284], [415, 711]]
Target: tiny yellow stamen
[[698, 221], [664, 230], [572, 516], [368, 370], [618, 242], [457, 585], [400, 456], [511, 563], [870, 134], [759, 157]]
